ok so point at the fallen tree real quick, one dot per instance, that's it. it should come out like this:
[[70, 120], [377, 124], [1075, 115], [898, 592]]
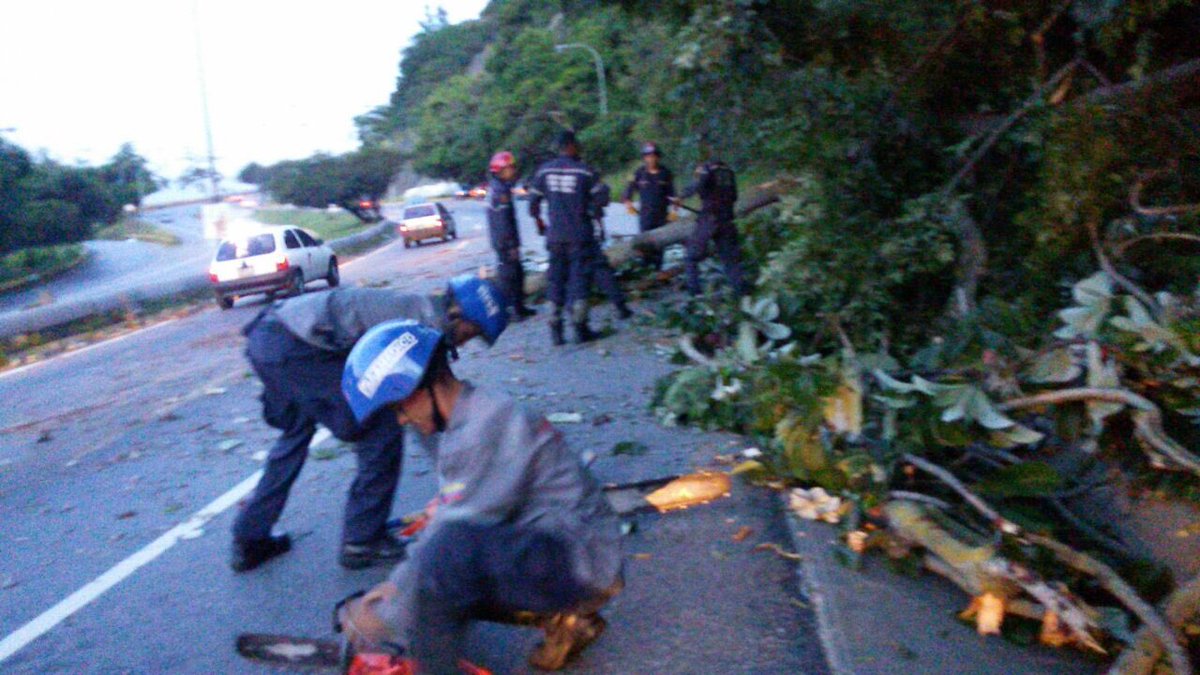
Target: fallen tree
[[625, 250]]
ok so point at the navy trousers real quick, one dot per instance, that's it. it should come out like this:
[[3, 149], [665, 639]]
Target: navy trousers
[[511, 275], [724, 235], [605, 276], [302, 388], [469, 571], [569, 277]]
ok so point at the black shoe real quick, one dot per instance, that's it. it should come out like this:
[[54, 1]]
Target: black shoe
[[387, 550], [623, 312], [556, 333], [525, 312], [584, 334], [250, 554]]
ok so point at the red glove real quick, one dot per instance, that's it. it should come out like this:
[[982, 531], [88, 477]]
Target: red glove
[[541, 226]]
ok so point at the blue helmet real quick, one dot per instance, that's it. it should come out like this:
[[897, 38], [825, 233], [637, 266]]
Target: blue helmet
[[482, 303], [387, 364]]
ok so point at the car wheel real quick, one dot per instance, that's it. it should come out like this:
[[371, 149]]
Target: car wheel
[[270, 296], [297, 287], [454, 233], [225, 302], [333, 278], [407, 243]]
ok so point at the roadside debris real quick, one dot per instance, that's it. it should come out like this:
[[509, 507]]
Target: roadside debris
[[214, 391], [817, 504], [630, 448], [743, 533], [564, 418], [8, 582], [229, 444], [690, 490], [779, 551], [126, 515]]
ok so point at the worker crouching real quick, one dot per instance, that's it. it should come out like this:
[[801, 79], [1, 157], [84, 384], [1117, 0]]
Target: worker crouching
[[520, 530]]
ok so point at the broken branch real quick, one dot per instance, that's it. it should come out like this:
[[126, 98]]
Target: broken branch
[[1113, 583], [1120, 249], [1141, 656], [1001, 523]]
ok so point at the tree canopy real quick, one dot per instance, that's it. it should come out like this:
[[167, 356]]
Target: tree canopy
[[346, 180]]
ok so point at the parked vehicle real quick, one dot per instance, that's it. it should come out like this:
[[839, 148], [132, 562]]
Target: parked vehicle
[[478, 192], [428, 220], [270, 260]]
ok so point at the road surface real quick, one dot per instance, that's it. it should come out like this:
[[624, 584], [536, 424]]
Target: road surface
[[121, 466], [123, 266]]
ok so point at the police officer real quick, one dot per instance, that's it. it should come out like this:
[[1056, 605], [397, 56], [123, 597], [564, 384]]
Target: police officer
[[298, 348], [568, 187], [519, 526], [502, 227], [602, 271], [655, 187], [717, 186]]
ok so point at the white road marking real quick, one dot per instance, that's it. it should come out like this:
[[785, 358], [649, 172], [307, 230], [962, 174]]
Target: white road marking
[[81, 598]]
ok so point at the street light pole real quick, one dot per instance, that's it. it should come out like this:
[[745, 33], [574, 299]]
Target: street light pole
[[212, 162], [599, 71]]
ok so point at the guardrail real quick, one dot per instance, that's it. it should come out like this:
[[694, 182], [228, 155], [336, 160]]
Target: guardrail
[[41, 318]]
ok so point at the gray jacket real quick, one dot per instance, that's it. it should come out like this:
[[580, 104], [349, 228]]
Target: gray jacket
[[499, 462], [336, 319]]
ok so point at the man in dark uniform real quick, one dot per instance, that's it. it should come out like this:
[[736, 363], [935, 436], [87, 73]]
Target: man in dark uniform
[[568, 187], [655, 187], [717, 186], [298, 348], [502, 227], [602, 271]]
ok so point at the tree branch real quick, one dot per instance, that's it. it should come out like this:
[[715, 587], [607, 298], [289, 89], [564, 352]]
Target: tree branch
[[1135, 200], [1113, 583], [1000, 522], [1147, 418], [1141, 656], [1120, 249], [1105, 264], [1187, 72]]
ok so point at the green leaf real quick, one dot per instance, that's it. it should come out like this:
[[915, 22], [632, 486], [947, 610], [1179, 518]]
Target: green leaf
[[1028, 479], [1018, 434], [630, 448], [833, 480], [747, 342], [1056, 365], [1093, 296]]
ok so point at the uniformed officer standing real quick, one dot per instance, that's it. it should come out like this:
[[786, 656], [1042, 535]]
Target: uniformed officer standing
[[602, 271], [655, 187], [298, 348], [717, 186], [568, 186], [502, 227]]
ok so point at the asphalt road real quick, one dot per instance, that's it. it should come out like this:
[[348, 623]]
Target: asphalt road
[[122, 266], [119, 473]]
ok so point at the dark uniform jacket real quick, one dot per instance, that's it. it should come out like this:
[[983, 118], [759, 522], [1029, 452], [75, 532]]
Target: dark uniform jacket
[[568, 186], [717, 187], [501, 217], [654, 194]]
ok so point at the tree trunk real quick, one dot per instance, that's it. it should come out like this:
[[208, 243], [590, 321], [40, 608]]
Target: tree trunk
[[621, 252]]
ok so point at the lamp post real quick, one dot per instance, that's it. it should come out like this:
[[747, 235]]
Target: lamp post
[[599, 71], [212, 162]]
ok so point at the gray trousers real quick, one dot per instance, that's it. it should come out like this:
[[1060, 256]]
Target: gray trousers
[[302, 388]]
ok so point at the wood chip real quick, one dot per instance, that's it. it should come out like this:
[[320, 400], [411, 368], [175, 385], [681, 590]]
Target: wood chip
[[743, 533], [779, 551]]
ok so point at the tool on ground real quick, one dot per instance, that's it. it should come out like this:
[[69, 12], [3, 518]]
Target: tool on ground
[[310, 653]]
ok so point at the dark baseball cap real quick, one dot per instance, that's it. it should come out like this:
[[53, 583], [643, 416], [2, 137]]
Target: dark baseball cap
[[650, 149], [565, 137]]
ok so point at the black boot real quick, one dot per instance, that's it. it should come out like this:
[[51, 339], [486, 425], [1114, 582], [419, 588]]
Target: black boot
[[623, 311], [384, 551], [556, 333], [583, 333], [250, 554]]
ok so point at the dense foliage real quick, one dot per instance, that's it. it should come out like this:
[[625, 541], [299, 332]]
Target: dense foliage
[[355, 181], [43, 202]]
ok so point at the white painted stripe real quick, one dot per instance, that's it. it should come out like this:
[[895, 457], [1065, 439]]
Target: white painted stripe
[[81, 598]]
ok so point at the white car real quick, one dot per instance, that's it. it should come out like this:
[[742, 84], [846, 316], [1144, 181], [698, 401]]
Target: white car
[[426, 221], [270, 260]]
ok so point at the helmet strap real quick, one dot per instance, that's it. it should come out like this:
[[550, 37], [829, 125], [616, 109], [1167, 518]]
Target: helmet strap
[[439, 422]]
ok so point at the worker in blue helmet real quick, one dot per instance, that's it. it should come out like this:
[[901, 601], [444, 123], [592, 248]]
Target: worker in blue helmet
[[298, 348], [520, 527]]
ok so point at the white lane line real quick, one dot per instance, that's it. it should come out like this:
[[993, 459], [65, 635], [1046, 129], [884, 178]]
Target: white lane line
[[81, 598], [75, 352]]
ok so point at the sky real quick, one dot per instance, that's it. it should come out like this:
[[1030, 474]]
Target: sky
[[285, 79]]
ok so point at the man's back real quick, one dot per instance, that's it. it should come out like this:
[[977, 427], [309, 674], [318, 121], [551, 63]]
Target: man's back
[[568, 186], [335, 319]]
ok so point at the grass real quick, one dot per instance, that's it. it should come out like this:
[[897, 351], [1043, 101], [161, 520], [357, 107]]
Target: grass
[[134, 228], [324, 224], [37, 263]]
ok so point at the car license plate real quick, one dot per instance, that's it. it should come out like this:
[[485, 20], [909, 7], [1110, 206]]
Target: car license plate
[[244, 272]]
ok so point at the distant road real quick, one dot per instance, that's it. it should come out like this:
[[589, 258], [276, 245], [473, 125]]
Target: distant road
[[123, 266]]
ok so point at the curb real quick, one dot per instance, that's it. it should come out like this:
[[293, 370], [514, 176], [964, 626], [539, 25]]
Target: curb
[[49, 316], [812, 582]]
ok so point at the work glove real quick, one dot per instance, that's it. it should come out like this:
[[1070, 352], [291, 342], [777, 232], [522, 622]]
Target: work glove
[[672, 216]]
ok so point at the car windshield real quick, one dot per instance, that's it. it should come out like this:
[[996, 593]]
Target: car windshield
[[259, 244], [419, 211]]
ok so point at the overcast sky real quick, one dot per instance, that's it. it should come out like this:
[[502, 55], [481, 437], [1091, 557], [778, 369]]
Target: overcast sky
[[285, 78]]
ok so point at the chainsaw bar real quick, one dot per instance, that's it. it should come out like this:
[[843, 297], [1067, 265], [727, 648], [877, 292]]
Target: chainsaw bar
[[290, 650]]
